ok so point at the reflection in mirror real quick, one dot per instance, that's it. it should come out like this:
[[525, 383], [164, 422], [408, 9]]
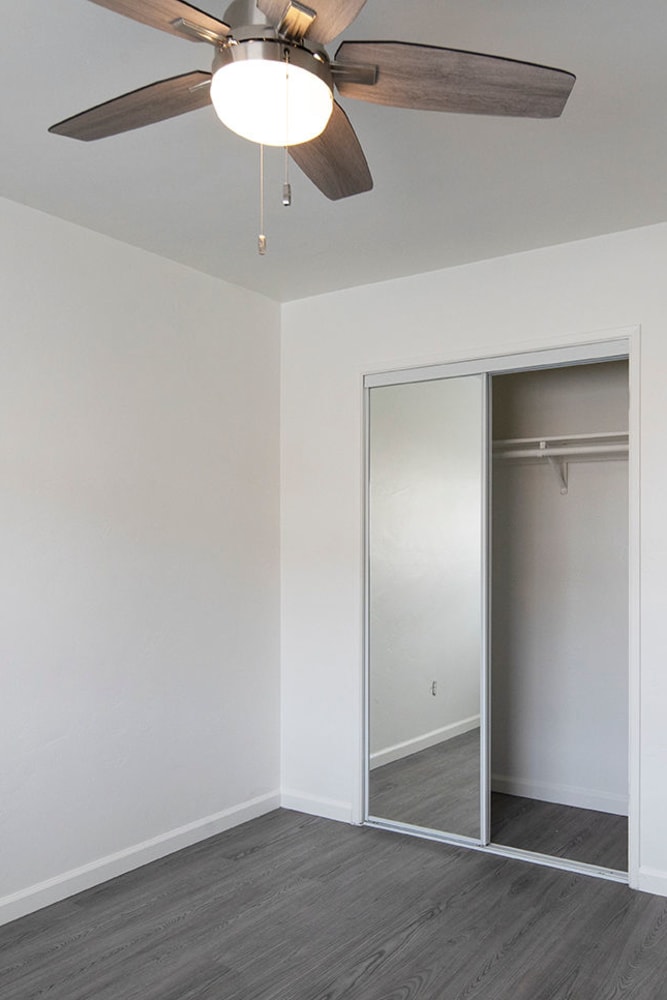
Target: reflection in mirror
[[425, 614]]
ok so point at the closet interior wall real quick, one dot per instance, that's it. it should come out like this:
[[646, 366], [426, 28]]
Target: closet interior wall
[[559, 593]]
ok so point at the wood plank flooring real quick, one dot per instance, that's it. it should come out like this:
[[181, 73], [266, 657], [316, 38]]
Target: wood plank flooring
[[291, 907], [439, 788], [561, 831]]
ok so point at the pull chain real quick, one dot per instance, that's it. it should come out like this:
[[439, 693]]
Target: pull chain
[[261, 240], [287, 187]]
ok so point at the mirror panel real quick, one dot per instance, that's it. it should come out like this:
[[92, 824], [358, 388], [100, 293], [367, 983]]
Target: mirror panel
[[426, 497]]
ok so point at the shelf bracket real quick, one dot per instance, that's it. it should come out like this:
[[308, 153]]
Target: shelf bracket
[[561, 470], [559, 466]]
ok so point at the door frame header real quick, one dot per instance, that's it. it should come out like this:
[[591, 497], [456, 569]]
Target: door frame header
[[614, 349]]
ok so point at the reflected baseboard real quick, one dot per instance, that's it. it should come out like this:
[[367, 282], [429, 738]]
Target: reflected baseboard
[[423, 742]]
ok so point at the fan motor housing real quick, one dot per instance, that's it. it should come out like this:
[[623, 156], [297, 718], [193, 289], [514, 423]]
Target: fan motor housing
[[275, 50], [242, 12]]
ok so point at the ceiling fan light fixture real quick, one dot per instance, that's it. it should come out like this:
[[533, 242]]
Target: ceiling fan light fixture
[[271, 94]]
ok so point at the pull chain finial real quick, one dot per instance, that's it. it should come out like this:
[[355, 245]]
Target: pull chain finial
[[287, 187]]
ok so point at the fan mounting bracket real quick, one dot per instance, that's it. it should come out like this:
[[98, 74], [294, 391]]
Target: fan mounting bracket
[[296, 21], [364, 74], [196, 31]]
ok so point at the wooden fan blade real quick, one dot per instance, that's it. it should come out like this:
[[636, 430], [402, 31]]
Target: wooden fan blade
[[335, 161], [435, 79], [165, 99], [333, 16], [163, 13]]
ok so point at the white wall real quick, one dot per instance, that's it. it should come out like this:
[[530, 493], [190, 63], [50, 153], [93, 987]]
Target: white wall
[[425, 550], [139, 580], [545, 298], [560, 596]]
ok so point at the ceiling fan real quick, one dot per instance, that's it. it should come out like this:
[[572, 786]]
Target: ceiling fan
[[272, 81]]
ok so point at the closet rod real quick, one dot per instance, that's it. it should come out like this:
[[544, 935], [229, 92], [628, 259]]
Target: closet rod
[[619, 450], [603, 436]]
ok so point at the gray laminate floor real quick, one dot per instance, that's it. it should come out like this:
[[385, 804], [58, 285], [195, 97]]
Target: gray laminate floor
[[290, 907], [439, 788], [561, 831]]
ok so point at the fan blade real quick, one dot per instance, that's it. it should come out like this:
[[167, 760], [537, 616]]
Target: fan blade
[[435, 79], [165, 99], [163, 13], [335, 161], [333, 16]]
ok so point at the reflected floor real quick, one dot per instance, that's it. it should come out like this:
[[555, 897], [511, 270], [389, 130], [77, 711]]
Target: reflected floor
[[438, 788]]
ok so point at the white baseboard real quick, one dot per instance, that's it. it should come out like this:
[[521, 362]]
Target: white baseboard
[[566, 795], [35, 897], [652, 880], [423, 742], [326, 808]]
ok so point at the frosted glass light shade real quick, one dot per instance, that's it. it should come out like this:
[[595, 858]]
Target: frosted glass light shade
[[270, 101]]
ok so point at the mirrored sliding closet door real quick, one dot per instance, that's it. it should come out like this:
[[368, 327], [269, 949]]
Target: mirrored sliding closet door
[[425, 602], [497, 605]]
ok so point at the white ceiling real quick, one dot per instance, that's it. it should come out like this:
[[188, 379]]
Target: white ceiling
[[449, 189]]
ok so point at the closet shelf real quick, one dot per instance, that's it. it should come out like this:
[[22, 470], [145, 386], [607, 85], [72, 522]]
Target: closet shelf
[[565, 447]]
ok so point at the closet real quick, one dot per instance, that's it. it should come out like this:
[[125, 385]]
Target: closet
[[559, 618], [497, 605]]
